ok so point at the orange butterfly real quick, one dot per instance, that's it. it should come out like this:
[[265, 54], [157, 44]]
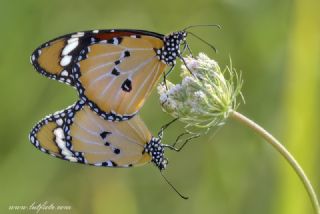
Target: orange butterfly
[[78, 134], [113, 70]]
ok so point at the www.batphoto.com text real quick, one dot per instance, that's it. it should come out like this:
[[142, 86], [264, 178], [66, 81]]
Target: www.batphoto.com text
[[40, 206]]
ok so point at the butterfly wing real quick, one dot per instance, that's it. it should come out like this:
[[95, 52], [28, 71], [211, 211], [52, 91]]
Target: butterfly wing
[[117, 72], [78, 134], [114, 70], [54, 59], [49, 135]]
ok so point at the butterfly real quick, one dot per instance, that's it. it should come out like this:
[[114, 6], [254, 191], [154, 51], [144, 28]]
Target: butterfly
[[114, 71], [78, 134]]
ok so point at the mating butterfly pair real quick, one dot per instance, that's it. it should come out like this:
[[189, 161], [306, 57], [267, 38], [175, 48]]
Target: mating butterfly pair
[[114, 72]]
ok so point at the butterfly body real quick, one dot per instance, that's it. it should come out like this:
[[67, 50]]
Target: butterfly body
[[114, 71]]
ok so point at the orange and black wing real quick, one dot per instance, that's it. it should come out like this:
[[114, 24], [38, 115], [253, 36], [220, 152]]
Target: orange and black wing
[[78, 134], [116, 73], [113, 70], [54, 59]]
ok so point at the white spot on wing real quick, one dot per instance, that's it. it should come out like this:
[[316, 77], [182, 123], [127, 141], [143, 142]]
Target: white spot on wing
[[59, 122], [60, 140], [64, 73], [109, 163], [77, 35], [58, 132], [72, 40], [115, 41], [95, 31], [70, 47], [65, 60], [72, 159]]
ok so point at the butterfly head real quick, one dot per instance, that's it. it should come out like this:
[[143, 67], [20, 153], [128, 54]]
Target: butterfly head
[[180, 36], [171, 48], [155, 149]]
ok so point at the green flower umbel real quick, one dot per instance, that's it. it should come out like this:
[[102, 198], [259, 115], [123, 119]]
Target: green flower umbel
[[206, 95]]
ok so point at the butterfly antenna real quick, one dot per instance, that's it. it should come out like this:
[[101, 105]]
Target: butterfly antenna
[[168, 182], [210, 25], [204, 41]]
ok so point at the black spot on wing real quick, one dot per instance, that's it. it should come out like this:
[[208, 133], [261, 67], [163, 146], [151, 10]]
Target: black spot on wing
[[115, 72], [117, 62], [104, 164], [104, 134], [126, 85], [114, 163], [116, 151], [126, 53], [109, 163]]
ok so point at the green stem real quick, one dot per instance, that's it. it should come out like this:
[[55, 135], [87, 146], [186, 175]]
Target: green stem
[[284, 152]]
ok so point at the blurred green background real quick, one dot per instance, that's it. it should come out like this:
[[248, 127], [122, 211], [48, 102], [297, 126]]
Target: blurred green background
[[276, 44]]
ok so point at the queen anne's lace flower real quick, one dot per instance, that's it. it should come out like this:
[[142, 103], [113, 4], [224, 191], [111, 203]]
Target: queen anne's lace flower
[[205, 96]]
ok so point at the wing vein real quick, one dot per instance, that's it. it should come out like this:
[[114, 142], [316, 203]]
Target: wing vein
[[129, 73], [143, 83]]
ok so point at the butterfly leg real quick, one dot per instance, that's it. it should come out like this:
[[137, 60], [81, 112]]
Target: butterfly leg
[[172, 147], [160, 134], [189, 50], [186, 47], [165, 76], [163, 102], [178, 138], [184, 62]]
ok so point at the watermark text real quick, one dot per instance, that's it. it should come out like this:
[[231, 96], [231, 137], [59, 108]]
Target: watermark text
[[40, 207]]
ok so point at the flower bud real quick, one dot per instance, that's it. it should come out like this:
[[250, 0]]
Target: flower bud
[[205, 96]]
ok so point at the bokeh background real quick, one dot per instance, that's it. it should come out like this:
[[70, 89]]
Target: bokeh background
[[276, 44]]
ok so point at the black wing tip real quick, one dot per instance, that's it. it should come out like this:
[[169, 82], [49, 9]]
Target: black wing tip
[[69, 80]]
